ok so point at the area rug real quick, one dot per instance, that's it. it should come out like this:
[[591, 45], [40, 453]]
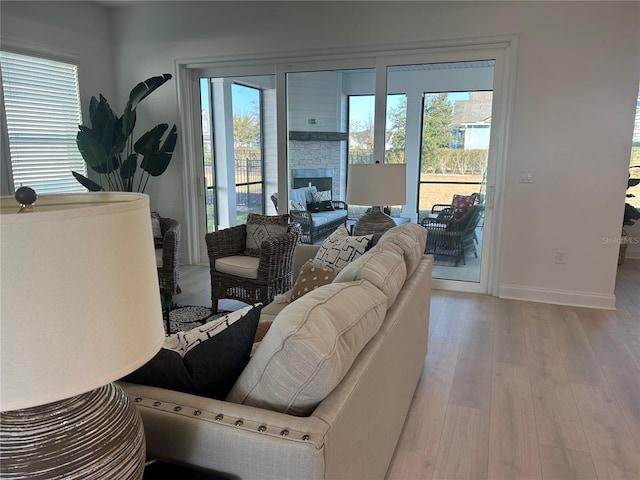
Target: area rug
[[183, 318]]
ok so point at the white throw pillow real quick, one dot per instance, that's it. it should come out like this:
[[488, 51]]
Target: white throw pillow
[[310, 346], [322, 196], [339, 248]]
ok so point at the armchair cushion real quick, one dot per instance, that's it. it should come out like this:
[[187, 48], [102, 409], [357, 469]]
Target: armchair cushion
[[239, 265], [261, 228], [206, 360]]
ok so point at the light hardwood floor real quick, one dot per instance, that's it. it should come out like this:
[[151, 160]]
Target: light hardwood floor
[[518, 390]]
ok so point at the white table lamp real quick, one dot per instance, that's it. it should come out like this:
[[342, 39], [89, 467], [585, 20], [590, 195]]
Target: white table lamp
[[376, 185], [79, 308]]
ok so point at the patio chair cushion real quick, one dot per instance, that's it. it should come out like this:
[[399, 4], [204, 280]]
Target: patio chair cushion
[[297, 206], [460, 204], [261, 228], [206, 360], [323, 196], [243, 266]]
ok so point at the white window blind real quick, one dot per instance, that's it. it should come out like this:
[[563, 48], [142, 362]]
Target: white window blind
[[42, 106]]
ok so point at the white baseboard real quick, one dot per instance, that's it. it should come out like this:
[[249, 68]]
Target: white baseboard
[[558, 297]]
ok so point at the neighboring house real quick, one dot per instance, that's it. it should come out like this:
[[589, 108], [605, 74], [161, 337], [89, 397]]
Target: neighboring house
[[471, 121]]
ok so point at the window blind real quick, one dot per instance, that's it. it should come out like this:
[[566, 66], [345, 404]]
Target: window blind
[[42, 106]]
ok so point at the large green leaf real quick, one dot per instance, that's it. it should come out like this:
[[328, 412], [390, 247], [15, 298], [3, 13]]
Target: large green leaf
[[128, 120], [91, 150], [150, 141], [85, 182], [161, 159], [144, 89], [129, 166], [93, 107]]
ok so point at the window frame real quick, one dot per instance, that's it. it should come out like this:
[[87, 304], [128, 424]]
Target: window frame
[[61, 155]]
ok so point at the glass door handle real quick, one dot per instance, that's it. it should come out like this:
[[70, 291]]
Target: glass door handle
[[489, 198]]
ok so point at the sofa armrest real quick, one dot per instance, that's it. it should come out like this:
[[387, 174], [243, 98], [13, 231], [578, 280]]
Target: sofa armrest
[[208, 433]]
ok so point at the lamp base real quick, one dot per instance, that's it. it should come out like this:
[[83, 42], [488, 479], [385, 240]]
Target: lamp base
[[95, 435], [375, 222]]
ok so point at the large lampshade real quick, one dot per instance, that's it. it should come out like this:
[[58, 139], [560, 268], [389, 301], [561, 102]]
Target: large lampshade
[[376, 185], [80, 302]]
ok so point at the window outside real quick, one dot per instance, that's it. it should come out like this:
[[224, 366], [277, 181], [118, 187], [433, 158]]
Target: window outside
[[42, 106]]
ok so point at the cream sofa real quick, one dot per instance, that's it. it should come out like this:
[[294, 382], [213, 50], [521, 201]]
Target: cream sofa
[[352, 432]]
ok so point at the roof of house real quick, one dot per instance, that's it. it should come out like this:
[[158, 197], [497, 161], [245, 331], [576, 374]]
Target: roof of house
[[473, 111]]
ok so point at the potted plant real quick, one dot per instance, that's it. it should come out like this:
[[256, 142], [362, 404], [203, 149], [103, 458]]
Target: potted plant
[[631, 214], [109, 149]]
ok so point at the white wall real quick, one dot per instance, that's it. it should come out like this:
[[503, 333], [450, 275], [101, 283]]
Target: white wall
[[576, 87], [71, 31]]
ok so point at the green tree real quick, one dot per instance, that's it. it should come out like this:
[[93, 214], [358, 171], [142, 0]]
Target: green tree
[[246, 129], [397, 132], [436, 128]]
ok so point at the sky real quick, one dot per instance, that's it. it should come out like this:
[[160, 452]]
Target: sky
[[245, 99]]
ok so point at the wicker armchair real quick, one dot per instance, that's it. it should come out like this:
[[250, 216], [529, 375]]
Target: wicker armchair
[[169, 272], [449, 237], [274, 265]]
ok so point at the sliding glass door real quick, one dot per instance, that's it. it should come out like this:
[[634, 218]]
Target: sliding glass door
[[441, 113], [238, 144], [448, 146]]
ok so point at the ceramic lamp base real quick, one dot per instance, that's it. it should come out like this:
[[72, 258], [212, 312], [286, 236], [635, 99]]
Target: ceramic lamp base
[[95, 435], [375, 222]]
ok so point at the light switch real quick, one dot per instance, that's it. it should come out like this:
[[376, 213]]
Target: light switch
[[526, 176]]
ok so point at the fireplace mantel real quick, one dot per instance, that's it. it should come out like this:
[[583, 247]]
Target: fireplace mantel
[[318, 136]]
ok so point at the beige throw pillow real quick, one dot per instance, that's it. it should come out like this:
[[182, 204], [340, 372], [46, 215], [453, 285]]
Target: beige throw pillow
[[412, 239], [383, 266], [312, 275], [310, 346]]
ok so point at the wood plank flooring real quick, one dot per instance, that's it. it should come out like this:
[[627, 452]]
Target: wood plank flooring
[[522, 390], [518, 390]]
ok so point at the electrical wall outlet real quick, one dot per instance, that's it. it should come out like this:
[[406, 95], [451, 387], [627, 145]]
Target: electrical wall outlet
[[560, 256], [526, 176]]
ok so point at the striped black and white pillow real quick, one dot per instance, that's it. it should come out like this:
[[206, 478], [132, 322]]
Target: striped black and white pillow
[[206, 360]]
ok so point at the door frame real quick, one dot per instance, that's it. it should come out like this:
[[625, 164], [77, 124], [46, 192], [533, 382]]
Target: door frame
[[188, 72]]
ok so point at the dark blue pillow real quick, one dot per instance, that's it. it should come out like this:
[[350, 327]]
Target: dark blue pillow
[[205, 361]]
